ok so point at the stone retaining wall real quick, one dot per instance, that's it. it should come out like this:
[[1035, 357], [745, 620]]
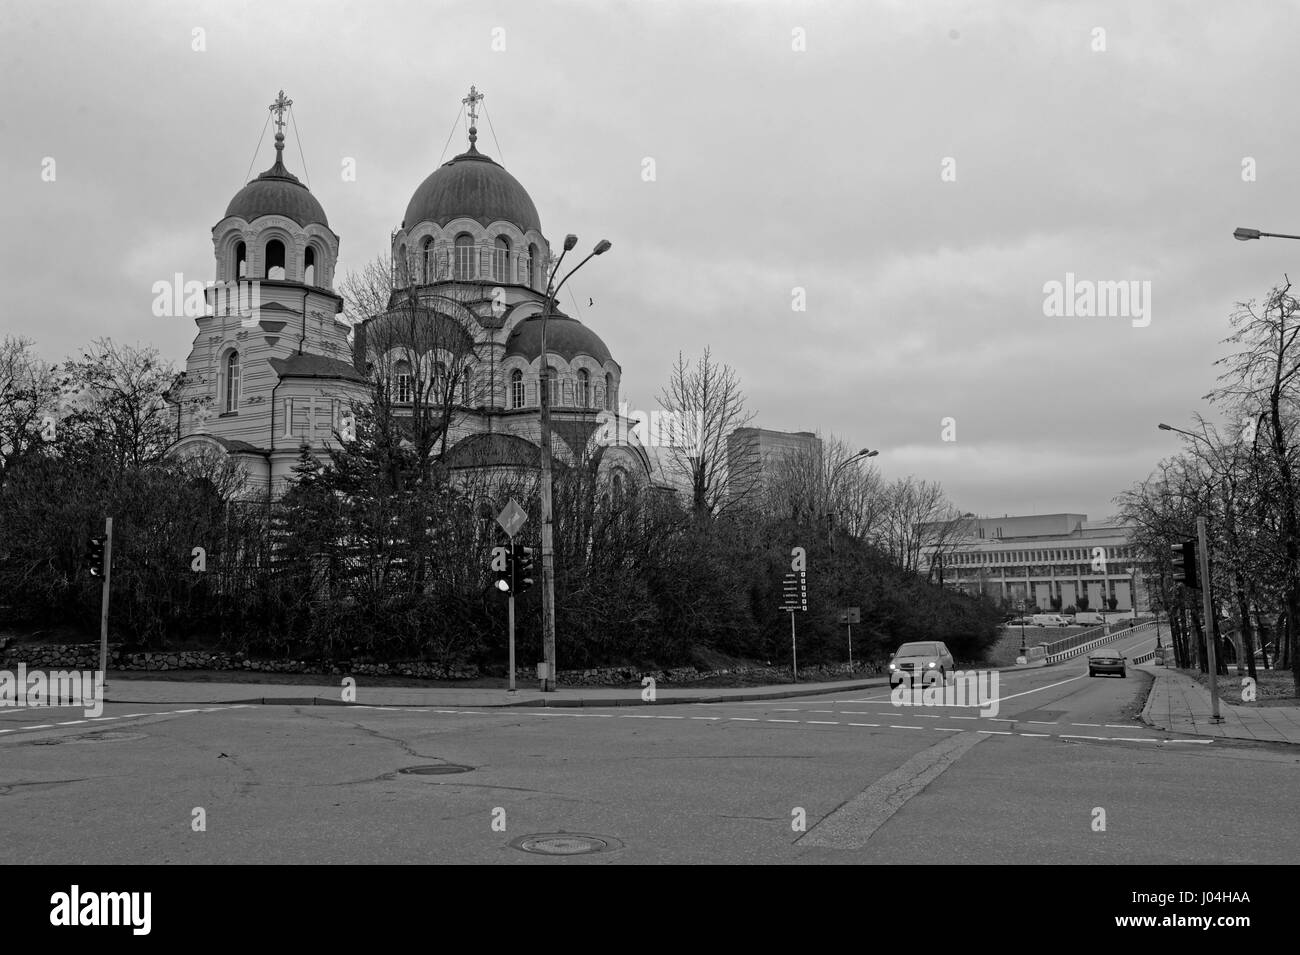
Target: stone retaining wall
[[86, 657]]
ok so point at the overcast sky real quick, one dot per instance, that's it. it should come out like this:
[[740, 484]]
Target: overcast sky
[[775, 168]]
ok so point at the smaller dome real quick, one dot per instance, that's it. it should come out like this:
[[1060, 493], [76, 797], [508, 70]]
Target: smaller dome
[[493, 450], [565, 336], [277, 192]]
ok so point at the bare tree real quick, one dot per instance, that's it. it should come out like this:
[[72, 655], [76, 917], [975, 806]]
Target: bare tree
[[116, 393], [29, 390], [709, 406], [1264, 373], [425, 347], [919, 520]]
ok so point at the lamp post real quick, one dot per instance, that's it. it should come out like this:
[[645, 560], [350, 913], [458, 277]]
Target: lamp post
[[1024, 605], [830, 487], [1133, 592], [548, 544]]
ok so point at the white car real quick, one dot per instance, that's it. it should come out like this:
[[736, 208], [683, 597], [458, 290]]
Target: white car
[[920, 659]]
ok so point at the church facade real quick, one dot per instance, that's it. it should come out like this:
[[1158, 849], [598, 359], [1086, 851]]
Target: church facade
[[275, 367]]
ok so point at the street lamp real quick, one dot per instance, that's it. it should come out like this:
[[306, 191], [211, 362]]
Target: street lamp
[[1245, 235], [830, 486], [548, 547]]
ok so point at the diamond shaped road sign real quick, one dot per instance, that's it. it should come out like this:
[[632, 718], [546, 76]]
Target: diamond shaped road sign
[[511, 518]]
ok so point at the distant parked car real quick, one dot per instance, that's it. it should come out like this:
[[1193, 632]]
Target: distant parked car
[[911, 659], [1050, 620], [1089, 619], [1107, 661]]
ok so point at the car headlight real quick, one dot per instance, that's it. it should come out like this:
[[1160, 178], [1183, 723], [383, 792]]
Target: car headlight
[[931, 664], [892, 667]]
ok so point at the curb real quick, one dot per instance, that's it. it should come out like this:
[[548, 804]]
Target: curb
[[542, 702]]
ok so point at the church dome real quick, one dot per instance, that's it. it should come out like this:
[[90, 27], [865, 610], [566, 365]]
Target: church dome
[[472, 186], [277, 192], [565, 336]]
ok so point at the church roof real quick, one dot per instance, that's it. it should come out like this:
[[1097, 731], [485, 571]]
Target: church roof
[[277, 192], [306, 365], [472, 186], [565, 336]]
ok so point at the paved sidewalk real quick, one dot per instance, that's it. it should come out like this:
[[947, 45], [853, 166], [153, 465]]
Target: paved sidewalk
[[124, 690], [1179, 704]]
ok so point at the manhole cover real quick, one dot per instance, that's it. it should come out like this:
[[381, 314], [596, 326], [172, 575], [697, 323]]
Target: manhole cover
[[443, 769], [564, 843]]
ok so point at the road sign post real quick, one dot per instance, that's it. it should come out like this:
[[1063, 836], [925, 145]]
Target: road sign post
[[511, 519], [849, 616], [794, 592]]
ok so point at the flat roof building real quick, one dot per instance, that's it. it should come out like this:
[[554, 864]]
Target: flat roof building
[[1039, 557]]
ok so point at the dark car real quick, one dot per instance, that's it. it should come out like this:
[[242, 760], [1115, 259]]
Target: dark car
[[1107, 661]]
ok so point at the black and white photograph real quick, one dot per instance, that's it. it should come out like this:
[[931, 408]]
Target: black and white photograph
[[650, 432]]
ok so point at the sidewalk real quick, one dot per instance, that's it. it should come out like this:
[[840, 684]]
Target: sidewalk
[[133, 691], [1179, 704]]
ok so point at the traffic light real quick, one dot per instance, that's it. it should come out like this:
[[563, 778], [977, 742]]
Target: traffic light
[[95, 556], [1184, 564], [502, 568], [521, 561]]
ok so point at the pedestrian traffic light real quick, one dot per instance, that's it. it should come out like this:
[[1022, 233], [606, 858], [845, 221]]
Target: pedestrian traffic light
[[95, 556], [522, 563], [502, 565], [1184, 564]]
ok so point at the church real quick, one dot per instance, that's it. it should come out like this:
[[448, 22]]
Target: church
[[452, 336]]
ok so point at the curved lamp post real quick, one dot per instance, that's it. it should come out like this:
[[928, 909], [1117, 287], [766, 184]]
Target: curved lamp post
[[548, 544], [830, 486]]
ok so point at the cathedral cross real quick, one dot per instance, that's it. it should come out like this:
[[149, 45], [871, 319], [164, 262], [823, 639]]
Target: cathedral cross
[[281, 104], [472, 101]]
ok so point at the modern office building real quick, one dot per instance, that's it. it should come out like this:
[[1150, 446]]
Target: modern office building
[[1035, 558], [752, 453]]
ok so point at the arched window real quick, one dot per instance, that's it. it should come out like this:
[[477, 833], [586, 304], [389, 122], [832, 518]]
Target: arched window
[[401, 387], [516, 389], [309, 266], [467, 385], [553, 383], [464, 256], [426, 258], [535, 266], [239, 268], [401, 268], [274, 259], [584, 388], [232, 381], [609, 392], [501, 259]]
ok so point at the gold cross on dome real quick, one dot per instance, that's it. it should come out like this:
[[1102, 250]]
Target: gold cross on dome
[[278, 107], [472, 101]]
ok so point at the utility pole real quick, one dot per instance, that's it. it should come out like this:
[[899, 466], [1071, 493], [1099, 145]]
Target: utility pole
[[1207, 600], [103, 613]]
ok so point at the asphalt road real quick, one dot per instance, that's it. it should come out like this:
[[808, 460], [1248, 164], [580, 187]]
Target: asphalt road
[[871, 782]]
